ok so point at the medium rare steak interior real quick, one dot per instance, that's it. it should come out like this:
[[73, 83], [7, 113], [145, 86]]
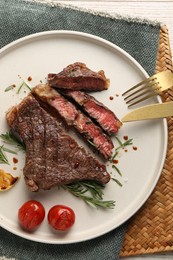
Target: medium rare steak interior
[[107, 120], [78, 77], [74, 117], [52, 156]]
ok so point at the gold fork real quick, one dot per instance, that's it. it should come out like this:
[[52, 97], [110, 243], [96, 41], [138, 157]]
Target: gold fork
[[149, 88]]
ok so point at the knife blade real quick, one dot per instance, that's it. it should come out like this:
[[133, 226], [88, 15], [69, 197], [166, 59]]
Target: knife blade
[[150, 112]]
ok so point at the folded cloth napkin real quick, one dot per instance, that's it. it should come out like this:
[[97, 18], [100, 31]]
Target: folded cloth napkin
[[138, 37]]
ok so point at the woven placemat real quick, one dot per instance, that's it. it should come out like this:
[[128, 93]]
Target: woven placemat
[[151, 229]]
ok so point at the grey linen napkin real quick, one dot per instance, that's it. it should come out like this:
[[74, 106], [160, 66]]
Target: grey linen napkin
[[139, 38]]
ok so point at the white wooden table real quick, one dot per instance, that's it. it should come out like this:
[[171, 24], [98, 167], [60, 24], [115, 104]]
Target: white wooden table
[[154, 10]]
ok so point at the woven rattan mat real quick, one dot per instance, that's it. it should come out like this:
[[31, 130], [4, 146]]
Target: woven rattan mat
[[151, 229]]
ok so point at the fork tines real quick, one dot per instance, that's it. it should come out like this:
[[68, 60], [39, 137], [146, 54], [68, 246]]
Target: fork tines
[[142, 91]]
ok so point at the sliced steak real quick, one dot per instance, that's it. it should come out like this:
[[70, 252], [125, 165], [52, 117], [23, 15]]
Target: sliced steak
[[78, 77], [72, 116], [52, 156], [96, 110]]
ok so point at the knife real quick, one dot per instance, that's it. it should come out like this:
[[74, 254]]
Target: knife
[[150, 112]]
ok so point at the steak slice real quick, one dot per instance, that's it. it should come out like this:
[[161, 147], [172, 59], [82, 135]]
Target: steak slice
[[78, 77], [96, 110], [52, 156], [74, 117]]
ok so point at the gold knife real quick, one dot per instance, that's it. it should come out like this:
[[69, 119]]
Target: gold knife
[[150, 112]]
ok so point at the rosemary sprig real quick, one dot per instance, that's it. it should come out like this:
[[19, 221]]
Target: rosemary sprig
[[119, 141], [117, 181], [114, 155], [90, 192], [10, 87], [23, 84], [9, 138], [122, 145], [9, 150], [91, 143], [96, 189], [3, 157], [116, 168]]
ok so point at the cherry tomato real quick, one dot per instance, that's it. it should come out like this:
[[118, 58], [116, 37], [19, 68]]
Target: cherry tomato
[[31, 214], [61, 217]]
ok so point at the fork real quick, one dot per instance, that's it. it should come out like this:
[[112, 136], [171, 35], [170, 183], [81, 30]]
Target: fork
[[149, 88]]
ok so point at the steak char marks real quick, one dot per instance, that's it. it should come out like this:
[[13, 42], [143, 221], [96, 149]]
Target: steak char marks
[[52, 156]]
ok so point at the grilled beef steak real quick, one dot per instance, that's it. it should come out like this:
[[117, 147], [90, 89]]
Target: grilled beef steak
[[78, 77], [72, 116], [96, 110], [52, 156]]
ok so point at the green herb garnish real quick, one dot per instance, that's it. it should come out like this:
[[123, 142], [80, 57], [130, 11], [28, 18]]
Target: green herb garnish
[[9, 138], [119, 141], [117, 181], [90, 142], [9, 150], [113, 156], [23, 84], [116, 168], [10, 87], [91, 192], [122, 145], [3, 157]]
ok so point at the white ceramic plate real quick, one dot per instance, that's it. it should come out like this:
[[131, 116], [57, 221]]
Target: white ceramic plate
[[36, 56]]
